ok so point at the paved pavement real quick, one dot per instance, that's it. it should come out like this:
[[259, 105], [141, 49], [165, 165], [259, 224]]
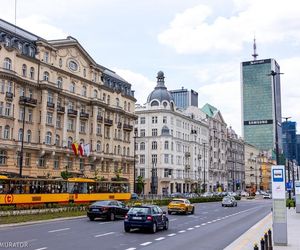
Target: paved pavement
[[254, 234]]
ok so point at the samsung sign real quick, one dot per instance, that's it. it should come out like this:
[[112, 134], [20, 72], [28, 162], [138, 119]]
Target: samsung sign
[[257, 62], [258, 122]]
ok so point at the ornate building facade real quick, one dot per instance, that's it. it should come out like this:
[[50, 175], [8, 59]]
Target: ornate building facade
[[53, 93], [169, 145]]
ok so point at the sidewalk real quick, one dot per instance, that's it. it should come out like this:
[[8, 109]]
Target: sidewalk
[[255, 233]]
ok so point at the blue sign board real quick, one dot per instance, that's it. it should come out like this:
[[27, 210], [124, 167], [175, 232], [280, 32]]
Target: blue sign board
[[277, 175], [289, 185]]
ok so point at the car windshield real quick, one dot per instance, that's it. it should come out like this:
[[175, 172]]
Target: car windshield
[[177, 201], [101, 203], [226, 198], [139, 210]]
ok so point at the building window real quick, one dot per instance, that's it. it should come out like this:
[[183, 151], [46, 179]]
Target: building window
[[166, 158], [7, 63], [48, 138], [142, 146], [46, 56], [30, 93], [73, 66], [59, 82], [166, 145], [154, 132], [49, 118], [50, 97], [84, 91], [154, 119], [72, 87], [98, 148], [143, 133], [108, 99], [28, 136], [70, 124], [27, 159], [84, 72], [82, 127], [20, 134], [154, 145], [7, 132], [60, 62], [165, 119], [81, 164], [21, 114], [70, 105], [22, 91], [31, 73], [69, 163], [129, 107], [9, 87], [142, 120], [24, 70], [154, 159], [56, 163], [98, 129], [57, 140], [117, 102], [30, 115], [3, 157], [142, 172], [95, 93], [142, 159], [70, 141], [1, 108], [46, 76], [8, 109]]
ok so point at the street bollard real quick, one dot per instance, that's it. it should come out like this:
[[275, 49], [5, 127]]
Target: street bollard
[[266, 241], [255, 247], [270, 239], [262, 244]]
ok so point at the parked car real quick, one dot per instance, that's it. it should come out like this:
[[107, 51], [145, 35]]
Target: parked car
[[229, 201], [108, 209], [181, 206], [149, 217], [244, 194], [267, 196]]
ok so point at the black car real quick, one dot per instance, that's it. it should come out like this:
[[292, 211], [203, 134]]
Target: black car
[[109, 209], [149, 217]]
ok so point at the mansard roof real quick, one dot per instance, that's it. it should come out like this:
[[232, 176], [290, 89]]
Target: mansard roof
[[212, 112]]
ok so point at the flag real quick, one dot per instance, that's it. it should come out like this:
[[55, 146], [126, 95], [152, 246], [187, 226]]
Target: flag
[[80, 149], [75, 148], [87, 150]]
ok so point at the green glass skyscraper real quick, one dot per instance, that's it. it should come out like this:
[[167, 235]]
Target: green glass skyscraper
[[258, 113]]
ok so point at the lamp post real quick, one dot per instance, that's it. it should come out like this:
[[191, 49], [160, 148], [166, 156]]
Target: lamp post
[[134, 156], [199, 173], [204, 166], [273, 74]]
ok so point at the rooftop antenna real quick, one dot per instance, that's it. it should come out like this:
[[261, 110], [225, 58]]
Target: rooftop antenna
[[15, 16], [255, 55]]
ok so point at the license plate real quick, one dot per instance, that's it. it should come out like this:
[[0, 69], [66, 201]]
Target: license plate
[[95, 210], [136, 218]]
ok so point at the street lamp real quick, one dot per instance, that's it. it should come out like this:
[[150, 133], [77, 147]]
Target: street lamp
[[204, 144], [273, 74], [134, 156]]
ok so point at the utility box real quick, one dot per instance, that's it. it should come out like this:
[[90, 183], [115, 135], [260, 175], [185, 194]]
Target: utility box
[[297, 196]]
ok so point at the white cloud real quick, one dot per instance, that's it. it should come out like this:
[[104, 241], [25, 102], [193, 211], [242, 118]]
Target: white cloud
[[196, 30], [140, 84]]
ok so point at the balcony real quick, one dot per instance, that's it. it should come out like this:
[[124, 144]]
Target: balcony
[[119, 125], [193, 131], [84, 115], [28, 101], [127, 127], [99, 118], [72, 112], [108, 122], [60, 109], [50, 105], [9, 96]]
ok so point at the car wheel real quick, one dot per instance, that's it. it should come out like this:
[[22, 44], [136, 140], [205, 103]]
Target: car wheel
[[154, 228], [166, 226], [222, 205], [127, 229], [187, 211], [92, 218], [112, 217], [193, 211]]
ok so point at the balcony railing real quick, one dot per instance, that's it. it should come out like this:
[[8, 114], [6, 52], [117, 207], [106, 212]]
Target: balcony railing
[[60, 109], [9, 96], [50, 105], [84, 115], [28, 101], [99, 118], [127, 127], [108, 121], [72, 112]]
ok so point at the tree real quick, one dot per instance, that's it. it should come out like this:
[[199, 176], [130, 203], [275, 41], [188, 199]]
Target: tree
[[65, 175], [140, 185]]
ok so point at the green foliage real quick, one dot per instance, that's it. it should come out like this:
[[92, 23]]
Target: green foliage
[[140, 184], [65, 175], [290, 202]]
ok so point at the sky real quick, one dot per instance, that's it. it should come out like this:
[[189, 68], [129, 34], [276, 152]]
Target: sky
[[198, 44]]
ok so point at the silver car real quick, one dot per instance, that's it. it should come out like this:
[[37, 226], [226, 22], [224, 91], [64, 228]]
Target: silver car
[[229, 201]]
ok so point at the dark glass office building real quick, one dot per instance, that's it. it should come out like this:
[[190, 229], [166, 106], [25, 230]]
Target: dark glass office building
[[258, 115], [289, 140], [184, 98]]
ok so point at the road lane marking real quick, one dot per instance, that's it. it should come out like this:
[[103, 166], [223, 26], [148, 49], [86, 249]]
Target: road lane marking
[[182, 231], [146, 243], [131, 248], [208, 222], [100, 235], [170, 235], [190, 228], [59, 230], [160, 238], [42, 248], [172, 219], [197, 226], [203, 224], [101, 223]]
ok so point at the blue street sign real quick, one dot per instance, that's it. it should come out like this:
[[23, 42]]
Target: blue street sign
[[289, 185]]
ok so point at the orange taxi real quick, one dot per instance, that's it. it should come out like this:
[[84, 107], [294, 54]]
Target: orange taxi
[[181, 206]]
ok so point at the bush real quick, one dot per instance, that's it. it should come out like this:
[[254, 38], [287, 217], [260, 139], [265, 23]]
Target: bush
[[290, 203]]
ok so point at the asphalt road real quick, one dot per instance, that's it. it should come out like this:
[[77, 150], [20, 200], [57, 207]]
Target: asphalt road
[[211, 227]]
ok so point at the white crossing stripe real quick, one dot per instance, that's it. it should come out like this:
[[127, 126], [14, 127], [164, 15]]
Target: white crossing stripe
[[170, 235], [146, 243], [58, 230], [182, 231], [100, 235], [203, 224], [42, 248], [190, 228], [131, 248], [197, 226], [160, 238]]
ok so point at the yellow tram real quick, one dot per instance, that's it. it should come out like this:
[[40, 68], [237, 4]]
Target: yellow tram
[[19, 191]]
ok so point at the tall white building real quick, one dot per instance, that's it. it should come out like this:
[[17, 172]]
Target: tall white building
[[170, 156]]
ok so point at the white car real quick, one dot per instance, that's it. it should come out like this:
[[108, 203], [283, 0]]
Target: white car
[[267, 196]]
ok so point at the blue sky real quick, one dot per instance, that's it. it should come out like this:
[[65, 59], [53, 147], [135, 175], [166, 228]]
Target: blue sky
[[198, 44]]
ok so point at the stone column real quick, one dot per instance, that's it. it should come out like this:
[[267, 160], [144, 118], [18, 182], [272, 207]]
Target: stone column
[[43, 115]]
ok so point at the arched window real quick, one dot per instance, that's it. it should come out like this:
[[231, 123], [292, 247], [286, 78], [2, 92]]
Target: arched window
[[154, 103], [108, 99], [107, 148], [125, 105], [84, 90], [7, 132], [98, 146], [119, 149], [154, 145], [115, 150], [72, 87], [124, 150], [70, 141], [28, 136], [20, 134], [7, 63], [3, 157], [24, 70], [128, 151], [129, 107], [142, 146], [48, 138], [95, 93], [117, 102], [59, 82], [104, 97], [57, 140], [46, 76], [32, 73]]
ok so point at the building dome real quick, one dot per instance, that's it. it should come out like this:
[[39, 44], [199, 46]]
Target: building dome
[[160, 92]]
